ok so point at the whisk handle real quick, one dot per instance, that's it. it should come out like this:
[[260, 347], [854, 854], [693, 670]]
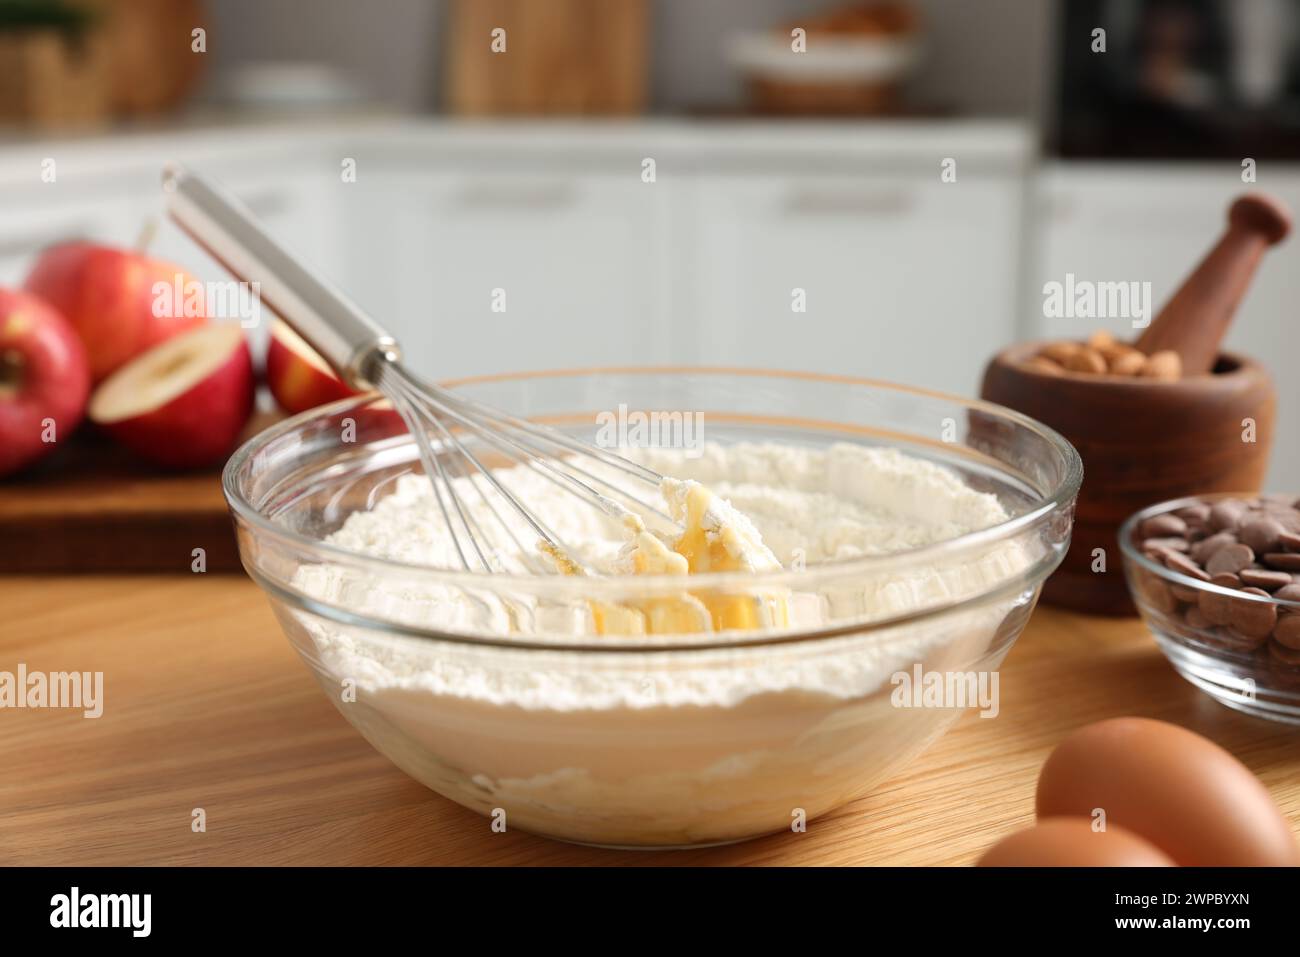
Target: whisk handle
[[348, 339]]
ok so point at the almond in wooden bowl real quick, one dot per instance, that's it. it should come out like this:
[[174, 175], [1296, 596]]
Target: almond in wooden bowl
[[1143, 439], [1103, 354]]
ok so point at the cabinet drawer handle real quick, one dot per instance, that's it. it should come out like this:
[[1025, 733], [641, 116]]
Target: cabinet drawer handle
[[515, 196], [847, 202]]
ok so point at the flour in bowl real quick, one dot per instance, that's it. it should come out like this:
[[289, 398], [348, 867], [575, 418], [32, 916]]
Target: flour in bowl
[[656, 745]]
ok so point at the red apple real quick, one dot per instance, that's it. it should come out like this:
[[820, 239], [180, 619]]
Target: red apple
[[115, 299], [299, 378], [44, 380], [184, 403]]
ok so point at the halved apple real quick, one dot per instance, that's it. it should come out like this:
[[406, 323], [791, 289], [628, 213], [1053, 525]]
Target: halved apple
[[109, 297], [184, 403], [296, 374]]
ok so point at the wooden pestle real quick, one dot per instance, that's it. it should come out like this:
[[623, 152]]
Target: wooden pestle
[[1195, 320]]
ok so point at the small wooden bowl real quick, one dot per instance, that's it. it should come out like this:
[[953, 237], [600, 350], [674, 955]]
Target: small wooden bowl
[[1142, 441]]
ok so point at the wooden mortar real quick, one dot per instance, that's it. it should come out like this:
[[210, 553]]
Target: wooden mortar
[[1142, 441], [1145, 440]]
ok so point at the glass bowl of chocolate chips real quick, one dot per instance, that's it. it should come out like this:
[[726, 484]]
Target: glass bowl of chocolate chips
[[1217, 580]]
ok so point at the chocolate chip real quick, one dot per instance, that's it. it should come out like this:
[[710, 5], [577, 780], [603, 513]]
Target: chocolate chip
[[1238, 640], [1254, 619], [1263, 578], [1173, 544], [1195, 619], [1276, 505], [1157, 594], [1200, 513], [1161, 525], [1288, 518], [1288, 656], [1178, 562], [1287, 561], [1231, 558], [1185, 593], [1226, 514], [1156, 553], [1216, 608], [1289, 541], [1287, 631], [1261, 534], [1288, 593], [1202, 550]]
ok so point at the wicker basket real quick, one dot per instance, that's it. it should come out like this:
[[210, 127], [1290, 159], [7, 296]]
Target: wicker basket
[[54, 79]]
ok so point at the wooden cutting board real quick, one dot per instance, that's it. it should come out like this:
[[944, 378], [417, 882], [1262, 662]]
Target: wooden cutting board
[[93, 507], [568, 57]]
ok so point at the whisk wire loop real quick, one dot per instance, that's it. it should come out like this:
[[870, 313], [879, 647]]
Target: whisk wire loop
[[434, 416]]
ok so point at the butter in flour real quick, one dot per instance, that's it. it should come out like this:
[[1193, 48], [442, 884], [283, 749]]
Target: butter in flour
[[714, 537]]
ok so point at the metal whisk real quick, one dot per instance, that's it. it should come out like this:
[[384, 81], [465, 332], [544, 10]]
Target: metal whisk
[[439, 419]]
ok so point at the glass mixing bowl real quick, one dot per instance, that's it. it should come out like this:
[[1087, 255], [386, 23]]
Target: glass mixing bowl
[[657, 740]]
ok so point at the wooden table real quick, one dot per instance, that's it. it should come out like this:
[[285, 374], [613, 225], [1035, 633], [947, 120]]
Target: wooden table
[[206, 706]]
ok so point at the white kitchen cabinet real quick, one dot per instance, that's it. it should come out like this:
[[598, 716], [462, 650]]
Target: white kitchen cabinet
[[484, 272], [1153, 223], [905, 278]]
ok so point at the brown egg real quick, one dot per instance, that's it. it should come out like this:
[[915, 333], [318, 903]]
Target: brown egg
[[1184, 794], [1071, 842]]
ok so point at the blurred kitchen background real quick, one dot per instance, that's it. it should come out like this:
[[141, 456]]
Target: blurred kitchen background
[[526, 172]]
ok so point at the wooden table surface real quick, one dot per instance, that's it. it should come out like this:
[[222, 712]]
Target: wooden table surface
[[206, 706]]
